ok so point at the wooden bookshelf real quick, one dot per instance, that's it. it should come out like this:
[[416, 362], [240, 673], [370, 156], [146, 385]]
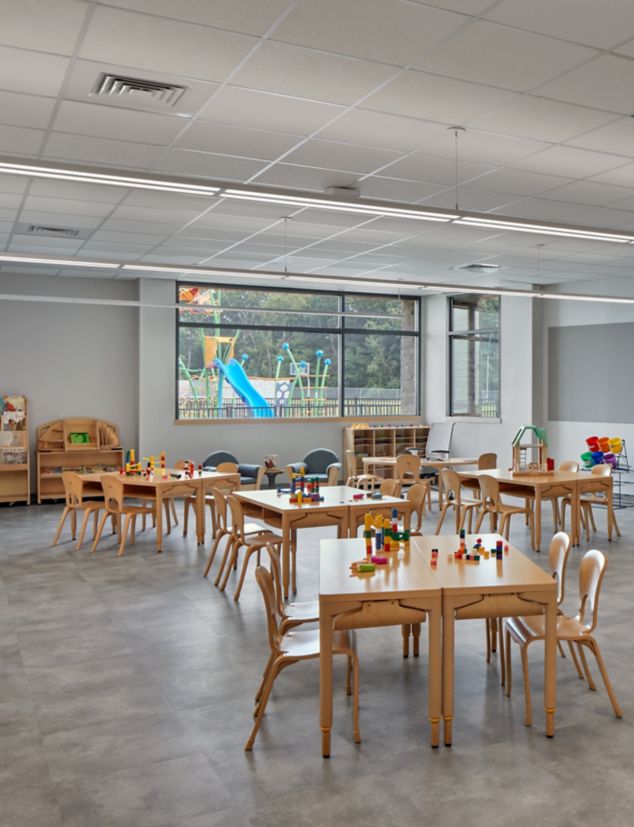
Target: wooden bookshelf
[[74, 444], [383, 440], [14, 450]]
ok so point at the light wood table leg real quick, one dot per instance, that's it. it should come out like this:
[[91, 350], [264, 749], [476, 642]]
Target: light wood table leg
[[537, 520], [200, 513], [434, 669], [286, 555], [575, 514], [550, 666], [440, 489], [448, 631], [159, 519], [325, 679]]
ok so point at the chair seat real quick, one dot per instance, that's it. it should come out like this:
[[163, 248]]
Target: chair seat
[[306, 611], [253, 528], [137, 509], [533, 627], [261, 539], [305, 644], [505, 508]]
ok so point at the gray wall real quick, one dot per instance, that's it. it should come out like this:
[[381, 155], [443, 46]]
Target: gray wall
[[71, 359]]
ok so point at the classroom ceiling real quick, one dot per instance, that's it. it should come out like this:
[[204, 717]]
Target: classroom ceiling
[[312, 94]]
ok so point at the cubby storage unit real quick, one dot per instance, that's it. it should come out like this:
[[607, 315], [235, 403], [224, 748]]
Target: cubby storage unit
[[383, 440], [74, 444], [14, 450]]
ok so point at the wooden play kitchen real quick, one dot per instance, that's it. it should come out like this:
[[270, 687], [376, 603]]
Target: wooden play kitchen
[[157, 489], [339, 506], [14, 450], [417, 583], [75, 444]]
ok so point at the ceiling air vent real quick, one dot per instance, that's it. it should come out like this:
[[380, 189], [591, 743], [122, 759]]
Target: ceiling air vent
[[136, 92], [55, 232], [479, 268]]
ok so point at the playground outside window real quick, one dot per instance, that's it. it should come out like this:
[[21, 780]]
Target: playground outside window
[[249, 353]]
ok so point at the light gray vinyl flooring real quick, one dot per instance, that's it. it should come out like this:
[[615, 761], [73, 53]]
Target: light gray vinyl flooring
[[126, 695]]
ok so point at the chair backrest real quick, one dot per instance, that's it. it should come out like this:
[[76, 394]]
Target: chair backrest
[[486, 462], [490, 490], [219, 493], [451, 483], [227, 468], [237, 515], [601, 470], [416, 497], [180, 464], [407, 468], [591, 572], [558, 561], [350, 460], [113, 493], [569, 465], [390, 488], [276, 573], [215, 458], [267, 587], [317, 461], [73, 488], [439, 439]]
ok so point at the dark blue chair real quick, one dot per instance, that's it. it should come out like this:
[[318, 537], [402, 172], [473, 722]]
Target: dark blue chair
[[250, 475], [321, 463]]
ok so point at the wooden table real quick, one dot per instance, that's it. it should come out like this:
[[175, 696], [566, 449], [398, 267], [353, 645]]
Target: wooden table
[[158, 490], [337, 508], [491, 588], [370, 463], [403, 592], [543, 486]]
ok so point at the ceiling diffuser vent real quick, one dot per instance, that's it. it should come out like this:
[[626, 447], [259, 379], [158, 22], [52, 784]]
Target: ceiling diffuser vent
[[479, 268], [136, 92], [56, 232]]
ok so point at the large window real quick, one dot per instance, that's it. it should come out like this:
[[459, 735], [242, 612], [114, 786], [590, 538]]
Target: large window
[[474, 356], [248, 353]]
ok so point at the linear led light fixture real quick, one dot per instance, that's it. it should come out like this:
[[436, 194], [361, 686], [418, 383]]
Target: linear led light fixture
[[113, 180], [60, 262], [359, 207], [543, 229]]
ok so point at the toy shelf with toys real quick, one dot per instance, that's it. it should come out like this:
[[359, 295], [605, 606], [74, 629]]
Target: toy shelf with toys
[[14, 450], [383, 440], [75, 444]]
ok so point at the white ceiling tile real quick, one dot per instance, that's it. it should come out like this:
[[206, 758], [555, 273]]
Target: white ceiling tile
[[420, 167], [99, 150], [13, 183], [25, 110], [489, 53], [366, 128], [421, 95], [128, 234], [567, 160], [528, 116], [605, 83], [146, 42], [263, 110], [482, 147], [625, 204], [626, 48], [617, 137], [75, 220], [516, 182], [236, 15], [121, 124], [305, 73], [52, 26], [584, 21], [331, 155], [179, 217], [566, 213], [470, 198], [220, 167], [10, 200], [471, 7], [64, 205], [385, 30], [20, 140], [306, 178], [234, 140], [230, 206], [51, 188], [31, 72], [138, 229], [621, 177], [589, 192], [392, 189], [157, 200]]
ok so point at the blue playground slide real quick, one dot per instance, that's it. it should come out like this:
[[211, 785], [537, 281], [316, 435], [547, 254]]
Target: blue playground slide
[[239, 381]]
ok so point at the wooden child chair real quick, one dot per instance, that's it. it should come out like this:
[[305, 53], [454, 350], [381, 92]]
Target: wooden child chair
[[591, 498], [220, 493], [492, 505], [75, 503], [293, 647], [463, 506], [116, 507]]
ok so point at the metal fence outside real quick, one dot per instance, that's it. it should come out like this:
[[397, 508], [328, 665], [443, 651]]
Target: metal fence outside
[[189, 408]]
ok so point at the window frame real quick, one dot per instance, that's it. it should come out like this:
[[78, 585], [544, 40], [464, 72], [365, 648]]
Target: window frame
[[340, 330], [472, 334]]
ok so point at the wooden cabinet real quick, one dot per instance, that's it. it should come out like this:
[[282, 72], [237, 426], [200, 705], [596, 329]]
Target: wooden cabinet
[[384, 440], [14, 450], [74, 444]]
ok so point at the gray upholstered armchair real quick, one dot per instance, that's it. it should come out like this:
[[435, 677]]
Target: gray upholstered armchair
[[320, 463], [250, 475]]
